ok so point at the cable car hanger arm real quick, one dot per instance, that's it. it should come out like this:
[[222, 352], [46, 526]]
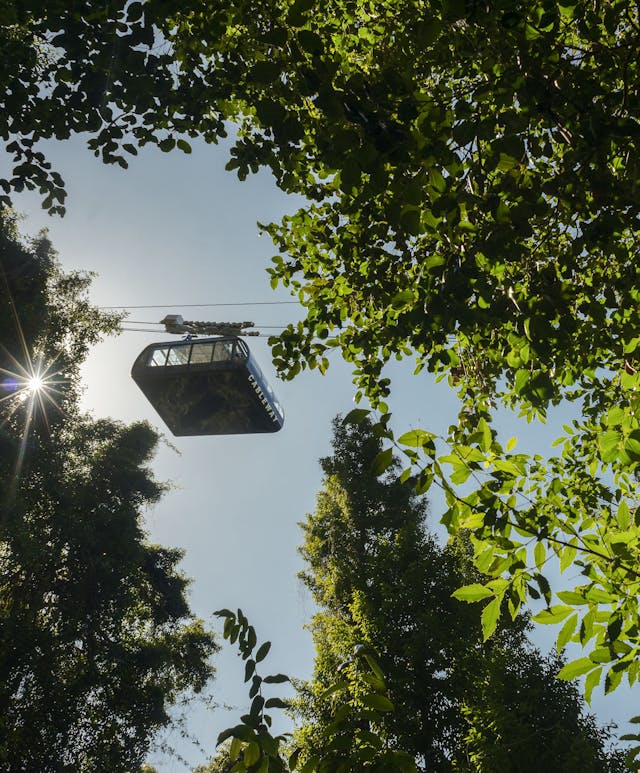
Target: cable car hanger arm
[[173, 323]]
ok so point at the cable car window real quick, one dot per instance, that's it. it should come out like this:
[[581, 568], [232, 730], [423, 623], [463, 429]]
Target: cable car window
[[158, 357], [201, 354], [178, 355], [223, 351]]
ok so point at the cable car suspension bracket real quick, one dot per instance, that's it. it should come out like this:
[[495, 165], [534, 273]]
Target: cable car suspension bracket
[[173, 323]]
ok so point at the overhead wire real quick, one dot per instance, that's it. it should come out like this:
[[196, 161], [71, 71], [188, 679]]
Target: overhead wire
[[202, 305]]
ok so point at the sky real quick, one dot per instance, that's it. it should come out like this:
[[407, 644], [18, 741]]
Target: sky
[[178, 229]]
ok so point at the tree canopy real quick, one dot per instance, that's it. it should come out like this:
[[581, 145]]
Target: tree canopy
[[97, 641], [106, 71]]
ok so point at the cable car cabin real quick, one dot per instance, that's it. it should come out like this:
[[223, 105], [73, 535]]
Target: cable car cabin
[[207, 386]]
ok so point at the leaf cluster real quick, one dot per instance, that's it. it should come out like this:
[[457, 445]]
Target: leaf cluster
[[353, 739]]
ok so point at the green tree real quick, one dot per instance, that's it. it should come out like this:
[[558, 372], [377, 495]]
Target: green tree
[[97, 641], [219, 763], [380, 579]]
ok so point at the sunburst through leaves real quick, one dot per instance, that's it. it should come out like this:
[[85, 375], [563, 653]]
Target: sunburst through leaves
[[36, 384]]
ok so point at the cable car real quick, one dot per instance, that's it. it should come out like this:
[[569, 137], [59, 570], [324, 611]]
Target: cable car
[[207, 386]]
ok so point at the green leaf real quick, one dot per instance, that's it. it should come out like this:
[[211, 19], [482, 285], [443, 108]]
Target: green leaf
[[600, 596], [403, 298], [416, 438], [460, 474], [377, 702], [571, 597], [356, 416], [632, 447], [276, 703], [263, 651], [310, 41], [243, 732], [567, 557], [374, 666], [472, 593], [276, 679], [490, 616], [566, 632], [602, 655], [487, 437], [553, 615], [575, 668], [593, 679], [167, 144], [567, 11], [264, 766], [623, 516], [234, 749], [184, 146], [382, 461], [608, 443], [612, 679], [251, 753], [410, 222]]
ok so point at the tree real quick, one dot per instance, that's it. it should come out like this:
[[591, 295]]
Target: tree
[[97, 641], [381, 580]]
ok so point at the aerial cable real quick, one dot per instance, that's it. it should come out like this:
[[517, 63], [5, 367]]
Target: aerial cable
[[202, 305], [137, 330]]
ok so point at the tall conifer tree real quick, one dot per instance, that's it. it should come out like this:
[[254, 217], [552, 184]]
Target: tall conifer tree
[[380, 578]]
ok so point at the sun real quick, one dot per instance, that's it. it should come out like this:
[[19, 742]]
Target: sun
[[35, 383]]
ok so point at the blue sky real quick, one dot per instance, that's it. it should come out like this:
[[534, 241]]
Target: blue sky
[[176, 229]]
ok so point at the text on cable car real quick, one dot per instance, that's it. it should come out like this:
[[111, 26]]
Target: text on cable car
[[261, 396]]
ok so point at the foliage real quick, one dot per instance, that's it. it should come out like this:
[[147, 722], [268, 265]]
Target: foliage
[[524, 692], [107, 71], [351, 741], [251, 740], [97, 641], [378, 577], [219, 763]]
